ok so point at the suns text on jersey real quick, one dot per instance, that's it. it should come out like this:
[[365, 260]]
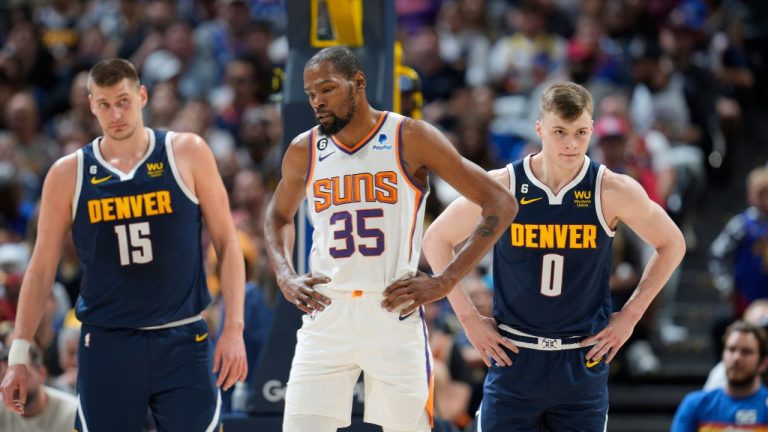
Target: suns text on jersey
[[353, 188], [130, 206], [554, 236]]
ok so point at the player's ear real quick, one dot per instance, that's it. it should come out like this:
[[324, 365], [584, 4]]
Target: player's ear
[[359, 80]]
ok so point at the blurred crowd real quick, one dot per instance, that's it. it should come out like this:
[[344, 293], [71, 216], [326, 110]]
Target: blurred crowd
[[674, 83]]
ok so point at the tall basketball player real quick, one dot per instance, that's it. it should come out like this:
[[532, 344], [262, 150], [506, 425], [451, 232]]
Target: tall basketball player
[[550, 273], [364, 173], [135, 200]]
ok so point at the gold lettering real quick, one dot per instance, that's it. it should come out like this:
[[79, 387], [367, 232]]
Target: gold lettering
[[150, 205], [516, 232], [108, 209], [94, 211]]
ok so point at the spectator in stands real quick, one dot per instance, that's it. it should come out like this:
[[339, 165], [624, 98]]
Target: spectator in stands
[[528, 56], [36, 150], [741, 405], [14, 258], [66, 346], [739, 255], [47, 409], [756, 314]]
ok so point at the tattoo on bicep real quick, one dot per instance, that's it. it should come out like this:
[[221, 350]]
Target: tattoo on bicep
[[488, 226]]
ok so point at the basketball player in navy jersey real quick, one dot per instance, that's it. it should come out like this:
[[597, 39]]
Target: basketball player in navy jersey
[[135, 200], [550, 273], [364, 173]]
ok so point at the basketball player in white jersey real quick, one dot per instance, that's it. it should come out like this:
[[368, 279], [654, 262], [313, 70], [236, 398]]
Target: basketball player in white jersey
[[364, 173]]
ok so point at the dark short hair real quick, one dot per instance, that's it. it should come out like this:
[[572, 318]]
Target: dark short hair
[[745, 327], [342, 58], [567, 100], [107, 73]]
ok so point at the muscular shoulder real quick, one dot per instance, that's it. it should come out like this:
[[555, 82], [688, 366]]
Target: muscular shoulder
[[188, 145], [421, 142], [620, 186], [501, 175], [417, 130], [622, 197], [296, 156], [63, 173], [300, 142]]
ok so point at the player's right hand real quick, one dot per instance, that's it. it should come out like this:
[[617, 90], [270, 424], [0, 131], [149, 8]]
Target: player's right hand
[[14, 388], [484, 335], [301, 292]]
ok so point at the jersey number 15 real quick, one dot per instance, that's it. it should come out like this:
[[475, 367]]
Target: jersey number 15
[[134, 243]]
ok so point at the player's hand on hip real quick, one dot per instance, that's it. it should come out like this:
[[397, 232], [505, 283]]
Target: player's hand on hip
[[229, 359], [14, 388], [301, 292], [484, 335], [608, 341], [408, 294]]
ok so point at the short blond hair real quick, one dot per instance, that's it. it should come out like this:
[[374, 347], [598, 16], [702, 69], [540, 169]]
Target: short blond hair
[[567, 100]]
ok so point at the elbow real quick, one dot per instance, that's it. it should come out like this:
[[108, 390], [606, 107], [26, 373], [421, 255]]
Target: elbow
[[507, 207], [677, 246]]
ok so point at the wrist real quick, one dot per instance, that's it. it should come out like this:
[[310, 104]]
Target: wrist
[[233, 325], [447, 282], [19, 352], [468, 317]]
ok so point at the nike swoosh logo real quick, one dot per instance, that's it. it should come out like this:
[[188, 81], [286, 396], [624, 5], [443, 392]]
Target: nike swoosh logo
[[95, 180], [321, 158], [525, 201], [403, 318], [200, 338], [592, 363]]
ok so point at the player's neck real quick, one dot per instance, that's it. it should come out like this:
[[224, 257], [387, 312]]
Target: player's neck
[[126, 151], [363, 122], [554, 176]]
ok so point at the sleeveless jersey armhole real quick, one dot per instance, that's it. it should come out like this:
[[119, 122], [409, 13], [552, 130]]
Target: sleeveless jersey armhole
[[175, 169]]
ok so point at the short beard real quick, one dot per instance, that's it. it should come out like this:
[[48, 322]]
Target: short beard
[[340, 123], [743, 383]]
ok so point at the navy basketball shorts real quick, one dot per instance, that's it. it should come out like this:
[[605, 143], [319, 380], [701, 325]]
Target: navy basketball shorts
[[554, 390], [123, 372]]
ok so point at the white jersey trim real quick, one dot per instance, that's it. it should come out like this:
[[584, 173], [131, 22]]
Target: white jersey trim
[[555, 199], [599, 202], [78, 183], [511, 171], [175, 169], [123, 175]]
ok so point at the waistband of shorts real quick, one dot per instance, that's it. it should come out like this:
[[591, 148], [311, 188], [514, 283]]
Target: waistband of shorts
[[345, 294], [525, 340], [173, 324]]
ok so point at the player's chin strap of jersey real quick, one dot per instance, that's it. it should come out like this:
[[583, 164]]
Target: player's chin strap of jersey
[[525, 340]]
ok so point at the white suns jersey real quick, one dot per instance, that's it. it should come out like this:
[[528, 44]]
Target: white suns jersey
[[366, 211]]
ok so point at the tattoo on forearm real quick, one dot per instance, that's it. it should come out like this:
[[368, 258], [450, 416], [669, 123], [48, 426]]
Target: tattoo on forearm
[[488, 226]]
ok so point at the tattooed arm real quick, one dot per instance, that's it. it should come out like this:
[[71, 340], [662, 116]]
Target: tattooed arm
[[440, 242], [425, 149]]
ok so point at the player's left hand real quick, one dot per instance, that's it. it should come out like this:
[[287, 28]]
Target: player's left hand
[[611, 338], [229, 359], [411, 293]]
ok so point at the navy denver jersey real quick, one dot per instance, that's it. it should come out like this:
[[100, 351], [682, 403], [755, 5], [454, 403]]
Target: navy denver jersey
[[551, 266], [138, 238]]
